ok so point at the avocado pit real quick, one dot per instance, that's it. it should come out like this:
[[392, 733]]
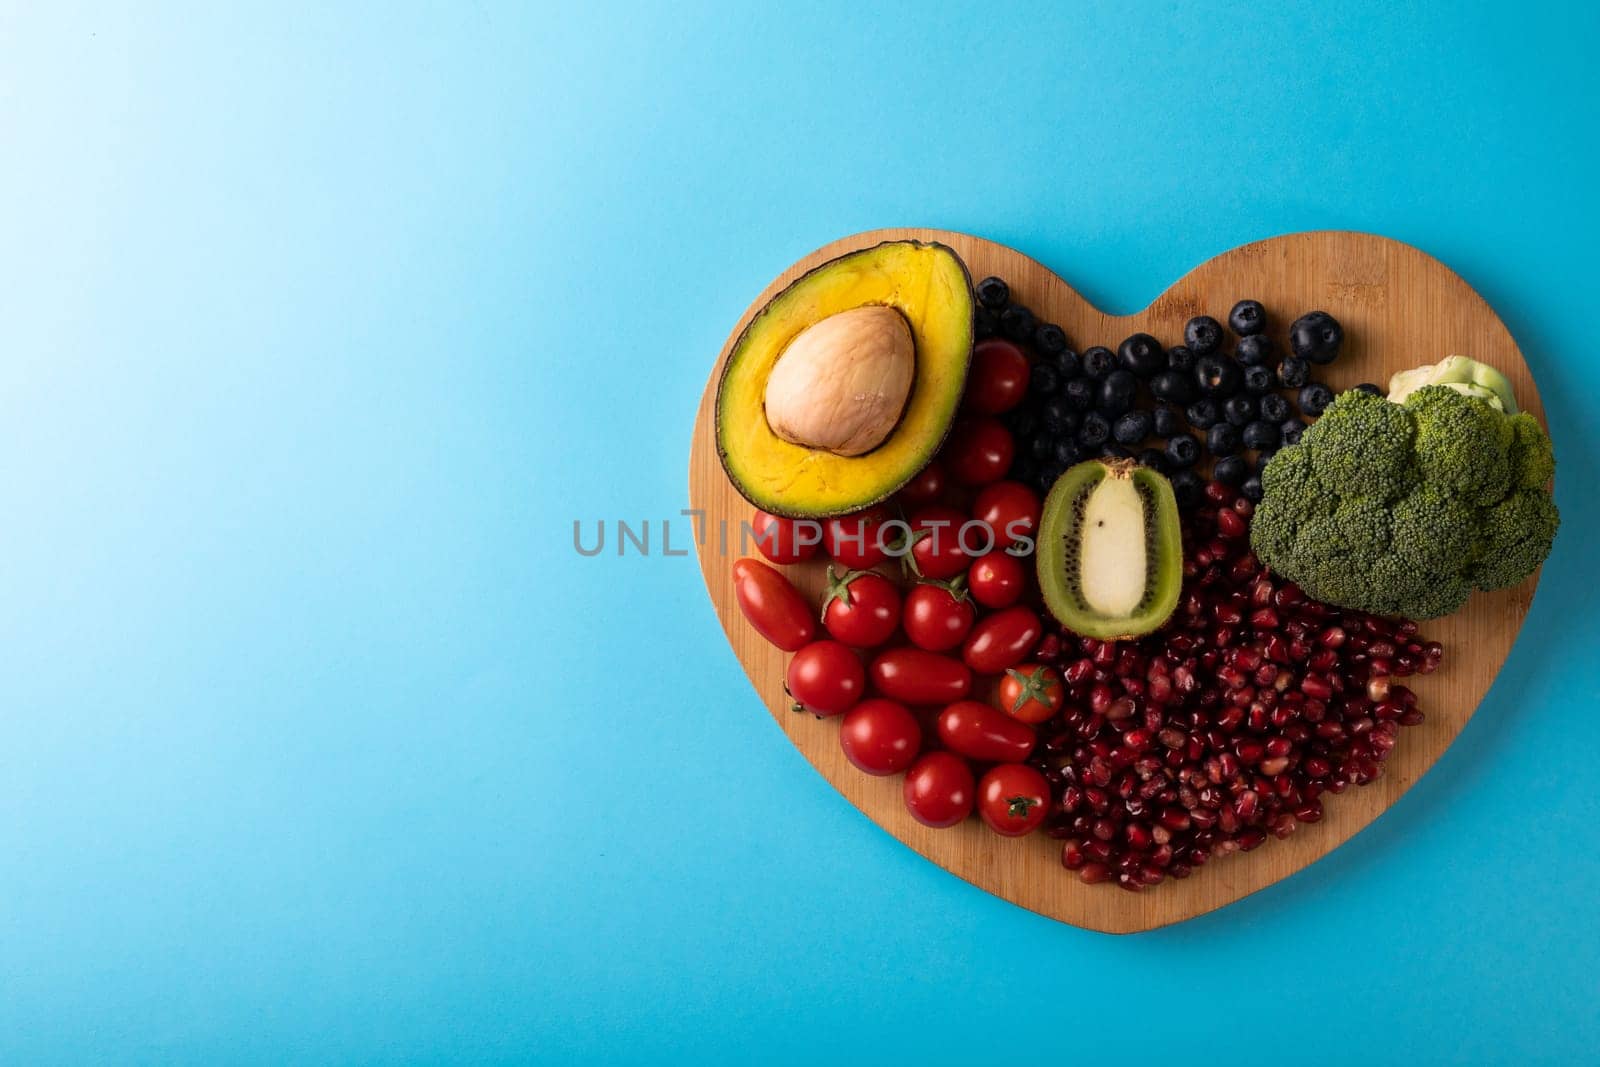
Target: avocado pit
[[842, 383]]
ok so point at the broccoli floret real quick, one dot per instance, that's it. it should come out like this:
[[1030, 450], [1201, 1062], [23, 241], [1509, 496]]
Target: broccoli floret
[[1463, 445], [1433, 531], [1533, 464], [1404, 509], [1361, 446], [1517, 534]]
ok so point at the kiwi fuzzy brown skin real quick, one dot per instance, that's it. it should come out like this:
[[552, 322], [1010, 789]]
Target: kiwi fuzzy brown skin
[[1060, 541]]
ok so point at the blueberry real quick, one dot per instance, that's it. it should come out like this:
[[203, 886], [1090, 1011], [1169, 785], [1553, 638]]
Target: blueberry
[[1316, 336], [1173, 387], [1024, 470], [1098, 361], [1058, 416], [1117, 392], [1021, 421], [1187, 487], [1180, 357], [1153, 458], [1094, 430], [1262, 434], [1263, 459], [1067, 363], [1274, 406], [1240, 410], [1257, 350], [1230, 471], [1203, 414], [1315, 398], [1114, 452], [1217, 376], [993, 293], [1016, 322], [1182, 450], [1368, 387], [1141, 354], [1043, 445], [1131, 428], [1048, 474], [1222, 439], [1291, 431], [1247, 317], [1168, 421], [1049, 339], [1080, 392], [1259, 379], [985, 325], [1252, 489], [1294, 372], [1044, 379], [1066, 451], [1203, 334]]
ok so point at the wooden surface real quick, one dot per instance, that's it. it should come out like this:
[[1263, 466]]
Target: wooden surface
[[1399, 308]]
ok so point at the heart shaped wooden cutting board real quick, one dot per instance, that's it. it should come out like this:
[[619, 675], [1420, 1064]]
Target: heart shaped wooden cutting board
[[1399, 307]]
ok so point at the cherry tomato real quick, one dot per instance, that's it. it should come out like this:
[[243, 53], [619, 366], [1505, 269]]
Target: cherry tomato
[[880, 736], [998, 378], [914, 676], [1010, 509], [860, 608], [825, 678], [785, 541], [938, 615], [927, 486], [979, 732], [858, 540], [774, 607], [997, 580], [936, 550], [939, 789], [1002, 640], [1031, 693], [979, 451], [1013, 799]]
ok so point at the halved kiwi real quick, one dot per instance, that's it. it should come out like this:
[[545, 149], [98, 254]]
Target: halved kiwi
[[1110, 553]]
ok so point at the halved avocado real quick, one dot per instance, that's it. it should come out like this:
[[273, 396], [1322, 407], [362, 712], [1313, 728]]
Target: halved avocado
[[929, 285]]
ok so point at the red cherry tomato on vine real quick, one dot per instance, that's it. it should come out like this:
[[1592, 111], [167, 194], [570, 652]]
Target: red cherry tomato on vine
[[979, 451], [774, 607], [998, 378], [1010, 510], [938, 615], [939, 789], [785, 541], [913, 676], [858, 541], [1031, 693], [880, 737], [825, 678], [861, 608], [979, 732], [1013, 799], [936, 550], [1002, 640], [997, 580], [927, 486]]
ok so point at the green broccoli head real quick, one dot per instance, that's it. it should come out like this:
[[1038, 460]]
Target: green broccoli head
[[1463, 445], [1517, 534], [1404, 509], [1533, 464], [1362, 446]]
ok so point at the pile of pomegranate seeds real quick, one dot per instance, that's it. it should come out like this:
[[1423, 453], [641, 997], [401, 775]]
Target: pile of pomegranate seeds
[[1226, 725]]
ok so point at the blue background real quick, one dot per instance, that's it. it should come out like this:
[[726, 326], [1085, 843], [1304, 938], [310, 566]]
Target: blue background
[[319, 327]]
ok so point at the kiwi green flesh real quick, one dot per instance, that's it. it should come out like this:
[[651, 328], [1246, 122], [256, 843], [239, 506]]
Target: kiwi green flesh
[[1110, 554]]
